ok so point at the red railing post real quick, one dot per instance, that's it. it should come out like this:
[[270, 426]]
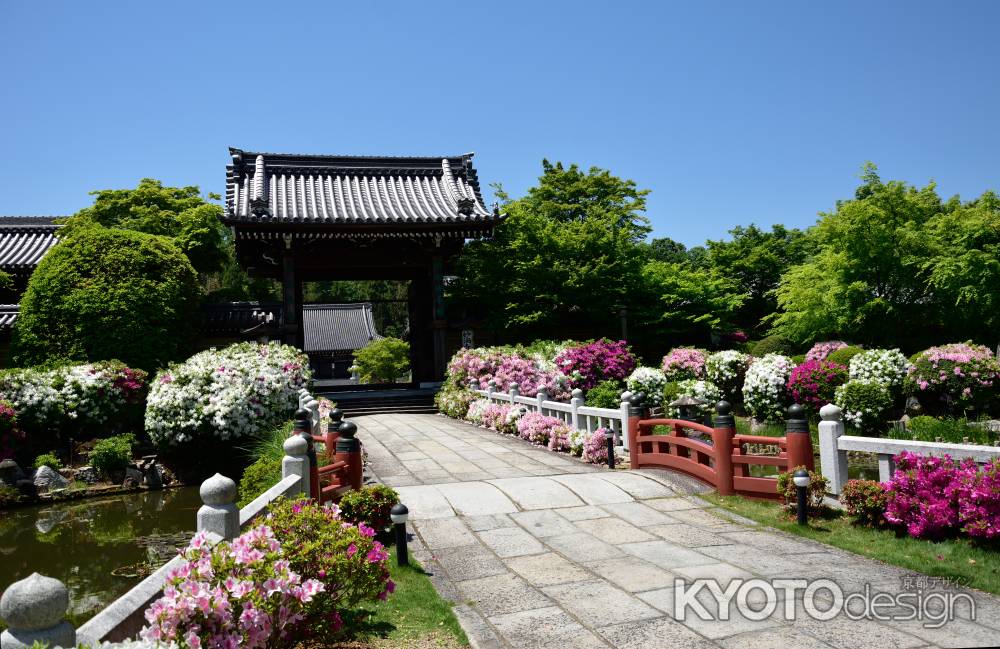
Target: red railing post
[[349, 451], [723, 430], [635, 413], [332, 433], [798, 441]]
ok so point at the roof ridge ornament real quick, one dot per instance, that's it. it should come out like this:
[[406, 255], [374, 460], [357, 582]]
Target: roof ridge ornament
[[259, 203]]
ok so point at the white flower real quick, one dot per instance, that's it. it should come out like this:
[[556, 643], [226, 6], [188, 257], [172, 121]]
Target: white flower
[[764, 393], [648, 380]]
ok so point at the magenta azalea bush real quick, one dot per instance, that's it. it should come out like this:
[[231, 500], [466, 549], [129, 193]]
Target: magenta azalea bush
[[819, 351], [953, 378], [243, 594], [684, 363], [933, 497], [588, 364], [814, 383]]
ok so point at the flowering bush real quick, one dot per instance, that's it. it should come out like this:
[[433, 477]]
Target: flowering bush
[[815, 492], [530, 378], [92, 397], [885, 366], [649, 381], [370, 505], [764, 392], [979, 499], [588, 364], [684, 363], [10, 435], [728, 370], [819, 351], [225, 394], [538, 428], [952, 378], [704, 390], [495, 415], [595, 447], [243, 594], [575, 440], [606, 394], [814, 383], [474, 414], [508, 426], [454, 402], [866, 404], [922, 495], [865, 500], [478, 364]]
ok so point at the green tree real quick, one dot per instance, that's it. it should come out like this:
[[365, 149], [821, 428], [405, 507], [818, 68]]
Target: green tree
[[668, 250], [177, 212], [565, 255], [756, 259], [687, 303], [383, 361], [103, 294]]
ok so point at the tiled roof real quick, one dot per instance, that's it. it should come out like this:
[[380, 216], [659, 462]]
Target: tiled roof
[[240, 317], [337, 327], [8, 314], [24, 240], [291, 188]]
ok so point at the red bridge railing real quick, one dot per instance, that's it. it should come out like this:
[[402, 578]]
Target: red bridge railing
[[343, 470], [717, 454]]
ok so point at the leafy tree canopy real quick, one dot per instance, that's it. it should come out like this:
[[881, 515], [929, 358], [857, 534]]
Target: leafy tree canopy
[[177, 212]]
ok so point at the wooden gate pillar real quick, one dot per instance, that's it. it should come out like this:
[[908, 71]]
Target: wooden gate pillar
[[723, 430]]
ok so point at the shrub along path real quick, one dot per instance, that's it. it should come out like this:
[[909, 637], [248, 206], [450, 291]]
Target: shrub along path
[[540, 550]]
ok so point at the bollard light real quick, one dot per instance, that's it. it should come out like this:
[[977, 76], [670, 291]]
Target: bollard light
[[609, 440], [398, 514], [801, 480]]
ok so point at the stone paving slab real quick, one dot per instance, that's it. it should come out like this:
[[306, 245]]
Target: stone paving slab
[[540, 550]]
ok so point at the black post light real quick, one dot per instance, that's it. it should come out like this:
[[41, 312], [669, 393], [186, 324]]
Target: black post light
[[398, 514], [609, 440], [801, 480]]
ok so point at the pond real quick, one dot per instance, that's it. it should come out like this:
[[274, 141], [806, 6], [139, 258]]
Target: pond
[[98, 547]]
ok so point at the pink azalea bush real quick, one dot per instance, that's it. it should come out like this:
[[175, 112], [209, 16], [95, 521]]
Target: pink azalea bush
[[814, 383], [952, 378], [477, 364], [933, 497], [684, 363], [595, 447], [819, 351], [242, 594], [538, 428], [495, 415], [529, 377], [588, 364]]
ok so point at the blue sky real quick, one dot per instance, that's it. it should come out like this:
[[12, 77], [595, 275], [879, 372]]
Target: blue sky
[[729, 112]]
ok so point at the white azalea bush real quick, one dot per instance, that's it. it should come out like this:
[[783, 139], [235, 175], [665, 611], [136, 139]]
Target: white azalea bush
[[764, 392], [866, 404], [225, 394], [728, 370], [886, 367], [649, 380], [79, 400], [704, 390]]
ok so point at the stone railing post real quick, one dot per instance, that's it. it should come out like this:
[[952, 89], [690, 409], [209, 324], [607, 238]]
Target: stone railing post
[[623, 408], [886, 466], [296, 462], [473, 384], [723, 430], [798, 442], [34, 610], [219, 514], [514, 392], [542, 396], [303, 428], [491, 387], [576, 400], [832, 460], [349, 451], [304, 397], [314, 419]]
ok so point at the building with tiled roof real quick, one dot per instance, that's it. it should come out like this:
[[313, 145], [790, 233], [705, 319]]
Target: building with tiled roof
[[333, 332]]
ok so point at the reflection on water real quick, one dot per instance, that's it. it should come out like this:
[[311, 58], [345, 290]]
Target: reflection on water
[[82, 542]]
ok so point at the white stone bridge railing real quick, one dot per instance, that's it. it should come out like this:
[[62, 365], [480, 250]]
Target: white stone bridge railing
[[574, 414]]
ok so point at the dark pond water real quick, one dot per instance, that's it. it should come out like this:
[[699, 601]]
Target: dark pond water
[[98, 547]]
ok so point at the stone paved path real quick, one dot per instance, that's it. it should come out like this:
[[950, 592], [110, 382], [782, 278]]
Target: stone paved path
[[540, 550]]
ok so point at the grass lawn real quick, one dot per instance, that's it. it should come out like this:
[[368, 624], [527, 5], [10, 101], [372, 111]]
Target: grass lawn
[[414, 616], [969, 564]]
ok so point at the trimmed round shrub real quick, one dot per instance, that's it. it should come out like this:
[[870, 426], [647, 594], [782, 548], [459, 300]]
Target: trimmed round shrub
[[101, 294], [865, 500], [683, 363], [728, 370], [773, 345], [953, 378], [820, 351], [225, 395], [866, 404], [383, 360], [591, 363], [369, 505], [50, 460], [765, 395], [814, 383], [649, 381], [886, 366], [261, 475], [606, 394], [112, 454], [844, 355]]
